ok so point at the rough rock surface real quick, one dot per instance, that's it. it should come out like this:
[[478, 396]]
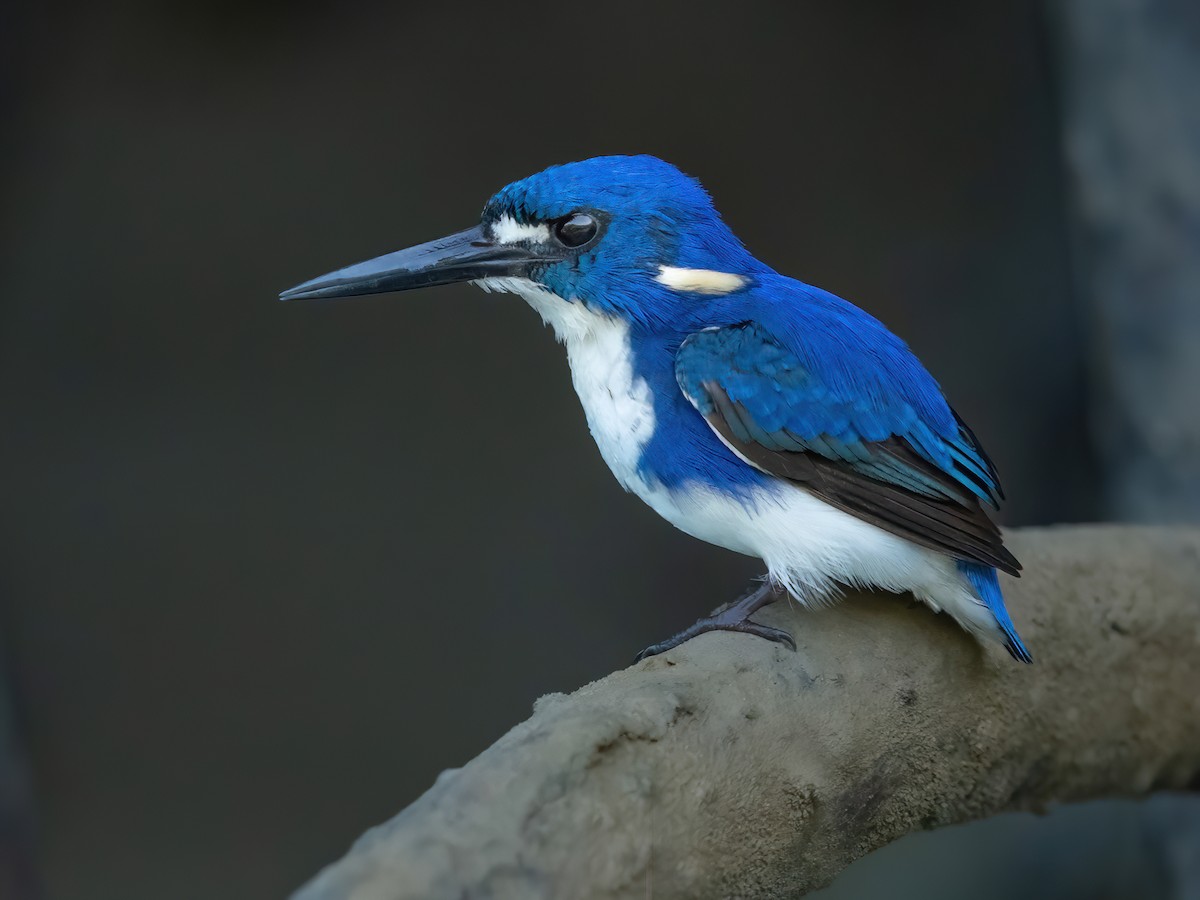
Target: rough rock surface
[[734, 767]]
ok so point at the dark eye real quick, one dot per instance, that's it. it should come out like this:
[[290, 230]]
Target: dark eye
[[575, 230]]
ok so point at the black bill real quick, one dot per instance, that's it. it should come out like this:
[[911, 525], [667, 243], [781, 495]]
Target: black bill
[[464, 256]]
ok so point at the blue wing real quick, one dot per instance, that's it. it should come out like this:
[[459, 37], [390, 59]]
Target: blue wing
[[846, 410]]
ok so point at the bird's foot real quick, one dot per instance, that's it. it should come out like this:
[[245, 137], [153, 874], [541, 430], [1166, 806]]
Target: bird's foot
[[715, 623], [734, 617]]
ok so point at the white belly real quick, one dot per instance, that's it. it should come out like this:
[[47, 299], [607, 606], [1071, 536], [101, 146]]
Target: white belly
[[811, 549], [809, 546]]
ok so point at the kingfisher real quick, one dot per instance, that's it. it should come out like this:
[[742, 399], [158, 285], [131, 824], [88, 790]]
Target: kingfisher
[[748, 409]]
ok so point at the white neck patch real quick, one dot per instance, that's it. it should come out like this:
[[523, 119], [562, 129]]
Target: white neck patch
[[570, 321], [617, 403], [699, 281], [507, 230]]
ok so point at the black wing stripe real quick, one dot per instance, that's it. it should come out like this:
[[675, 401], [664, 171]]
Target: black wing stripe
[[955, 515], [966, 431], [961, 530], [961, 535], [902, 450], [728, 412]]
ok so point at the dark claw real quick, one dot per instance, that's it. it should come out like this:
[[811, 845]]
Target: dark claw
[[778, 635], [653, 650], [716, 623], [731, 617]]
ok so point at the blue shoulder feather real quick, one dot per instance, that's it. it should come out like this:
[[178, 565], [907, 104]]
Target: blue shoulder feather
[[817, 374]]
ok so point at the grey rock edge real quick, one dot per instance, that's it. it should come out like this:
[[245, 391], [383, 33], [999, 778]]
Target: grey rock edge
[[734, 767]]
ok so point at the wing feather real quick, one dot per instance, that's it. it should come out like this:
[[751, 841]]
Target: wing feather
[[771, 411]]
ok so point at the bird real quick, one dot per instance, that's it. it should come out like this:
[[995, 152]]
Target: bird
[[749, 409]]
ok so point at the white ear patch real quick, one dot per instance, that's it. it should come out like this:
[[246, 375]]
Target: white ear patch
[[699, 281], [507, 230]]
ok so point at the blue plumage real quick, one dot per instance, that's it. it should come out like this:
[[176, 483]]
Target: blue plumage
[[748, 408], [860, 382], [983, 579], [832, 400], [831, 382]]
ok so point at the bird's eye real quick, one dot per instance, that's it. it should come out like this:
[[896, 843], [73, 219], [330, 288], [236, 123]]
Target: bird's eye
[[575, 230]]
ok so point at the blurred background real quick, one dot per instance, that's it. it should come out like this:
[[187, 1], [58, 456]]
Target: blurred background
[[258, 587]]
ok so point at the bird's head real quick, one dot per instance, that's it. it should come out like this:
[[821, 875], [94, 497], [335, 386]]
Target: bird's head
[[623, 235]]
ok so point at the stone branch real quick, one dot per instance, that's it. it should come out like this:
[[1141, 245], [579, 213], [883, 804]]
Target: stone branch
[[734, 767]]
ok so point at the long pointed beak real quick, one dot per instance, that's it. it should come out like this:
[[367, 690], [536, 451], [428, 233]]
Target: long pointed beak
[[464, 256]]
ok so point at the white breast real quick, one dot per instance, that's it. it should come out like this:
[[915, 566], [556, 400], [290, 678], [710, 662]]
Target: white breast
[[618, 406]]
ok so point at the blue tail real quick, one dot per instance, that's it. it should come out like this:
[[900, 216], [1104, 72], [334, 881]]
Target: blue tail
[[987, 586]]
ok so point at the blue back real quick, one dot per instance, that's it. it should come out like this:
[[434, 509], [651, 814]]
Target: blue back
[[817, 369]]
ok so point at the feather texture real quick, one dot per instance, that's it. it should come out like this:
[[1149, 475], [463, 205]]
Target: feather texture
[[876, 458]]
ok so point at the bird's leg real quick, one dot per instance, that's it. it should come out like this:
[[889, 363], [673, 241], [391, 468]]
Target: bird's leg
[[731, 617]]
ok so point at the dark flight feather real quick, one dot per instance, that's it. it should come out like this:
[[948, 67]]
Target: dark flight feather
[[892, 482]]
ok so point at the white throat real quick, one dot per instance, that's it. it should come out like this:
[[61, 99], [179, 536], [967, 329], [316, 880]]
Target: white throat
[[618, 406], [571, 321]]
